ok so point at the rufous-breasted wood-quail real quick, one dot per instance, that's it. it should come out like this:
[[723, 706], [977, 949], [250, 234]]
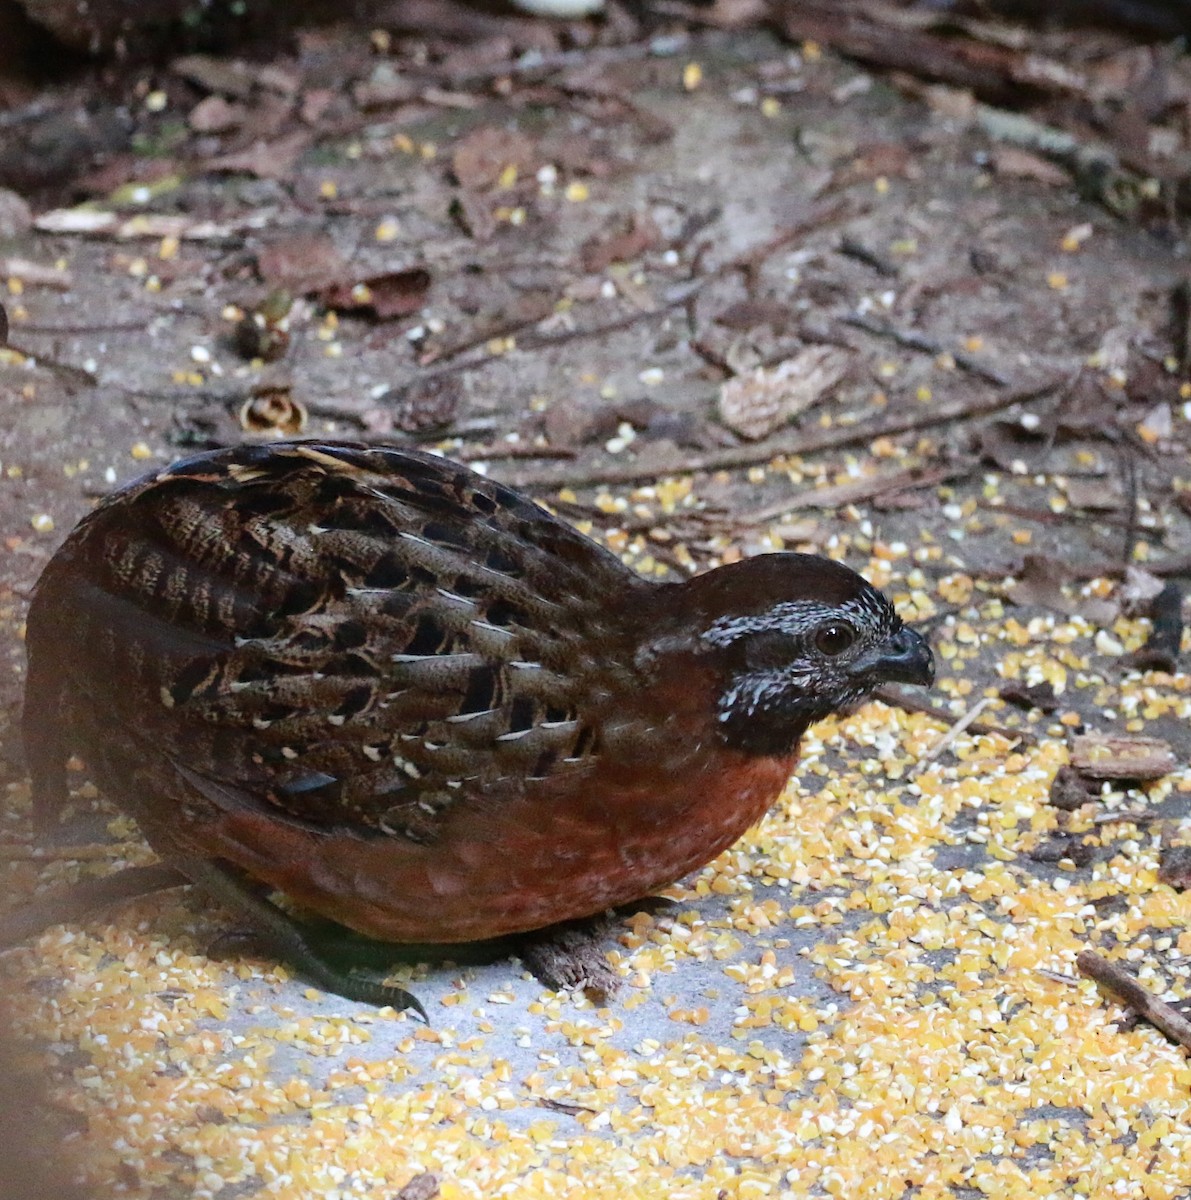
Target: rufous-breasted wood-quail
[[417, 703]]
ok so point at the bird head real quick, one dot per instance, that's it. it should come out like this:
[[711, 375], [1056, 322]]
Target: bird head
[[792, 638]]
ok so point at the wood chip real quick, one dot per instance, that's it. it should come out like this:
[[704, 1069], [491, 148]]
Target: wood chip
[[420, 1187], [1105, 756]]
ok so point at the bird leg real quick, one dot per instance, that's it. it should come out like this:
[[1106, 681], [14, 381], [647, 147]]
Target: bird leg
[[289, 941]]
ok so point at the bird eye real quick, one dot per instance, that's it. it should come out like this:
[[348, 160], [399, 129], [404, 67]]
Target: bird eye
[[834, 638]]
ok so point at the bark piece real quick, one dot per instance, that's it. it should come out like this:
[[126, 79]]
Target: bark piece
[[1113, 757], [756, 404]]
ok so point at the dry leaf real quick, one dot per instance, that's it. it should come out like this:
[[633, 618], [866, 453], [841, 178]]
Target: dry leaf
[[1157, 425], [215, 115], [393, 294], [301, 262], [481, 156], [1040, 581], [756, 404], [1101, 494], [1069, 790], [15, 214], [475, 214], [273, 412], [628, 242], [219, 75], [271, 159], [1021, 164], [420, 1187], [1139, 591]]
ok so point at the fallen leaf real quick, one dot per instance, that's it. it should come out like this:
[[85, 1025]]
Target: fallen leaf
[[1139, 591], [15, 214], [1099, 495], [748, 314], [1162, 647], [732, 14], [481, 156], [220, 75], [1040, 581], [756, 404], [301, 262], [632, 239], [1021, 164], [384, 88], [386, 296], [1040, 696], [570, 422], [215, 115], [474, 213], [273, 412], [1157, 425], [272, 159], [420, 1187], [1012, 446], [426, 404], [1064, 845]]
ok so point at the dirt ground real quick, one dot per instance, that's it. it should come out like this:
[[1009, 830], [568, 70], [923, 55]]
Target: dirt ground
[[581, 273]]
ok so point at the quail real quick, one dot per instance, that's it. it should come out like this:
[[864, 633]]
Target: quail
[[417, 704]]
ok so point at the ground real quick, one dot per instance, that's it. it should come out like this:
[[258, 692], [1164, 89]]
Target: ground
[[874, 993]]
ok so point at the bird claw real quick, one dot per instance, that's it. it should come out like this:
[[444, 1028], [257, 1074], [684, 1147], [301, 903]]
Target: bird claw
[[352, 986]]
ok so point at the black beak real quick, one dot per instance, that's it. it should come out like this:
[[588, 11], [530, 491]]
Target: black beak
[[903, 658]]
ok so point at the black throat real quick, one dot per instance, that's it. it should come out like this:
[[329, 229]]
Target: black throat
[[768, 733]]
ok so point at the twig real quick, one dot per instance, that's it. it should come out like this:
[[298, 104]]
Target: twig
[[798, 443], [94, 852], [856, 491], [959, 727], [851, 247], [682, 295], [533, 61], [916, 704], [912, 339], [1124, 988], [1134, 816], [493, 453], [1129, 474]]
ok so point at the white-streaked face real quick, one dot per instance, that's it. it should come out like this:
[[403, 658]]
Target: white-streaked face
[[794, 663]]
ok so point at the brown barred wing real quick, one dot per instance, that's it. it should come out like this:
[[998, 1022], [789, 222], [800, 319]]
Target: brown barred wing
[[355, 637]]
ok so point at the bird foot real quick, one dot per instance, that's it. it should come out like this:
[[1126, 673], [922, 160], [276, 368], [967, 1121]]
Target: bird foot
[[288, 940]]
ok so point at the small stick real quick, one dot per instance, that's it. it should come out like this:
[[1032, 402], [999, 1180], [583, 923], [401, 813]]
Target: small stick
[[94, 852], [1124, 815], [954, 732], [803, 442], [912, 339], [915, 704], [1124, 988]]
